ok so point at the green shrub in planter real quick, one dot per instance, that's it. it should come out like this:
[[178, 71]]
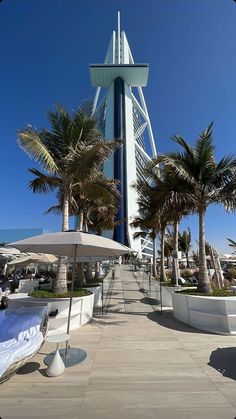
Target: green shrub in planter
[[48, 294], [92, 284], [188, 284], [216, 293], [166, 284]]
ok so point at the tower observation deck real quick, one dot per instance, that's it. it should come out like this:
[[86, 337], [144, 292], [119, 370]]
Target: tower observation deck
[[122, 113]]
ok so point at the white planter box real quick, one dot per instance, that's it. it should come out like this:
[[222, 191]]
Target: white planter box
[[167, 295], [97, 291], [213, 314], [81, 312]]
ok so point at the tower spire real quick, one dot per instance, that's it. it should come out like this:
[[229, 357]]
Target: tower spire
[[123, 114], [118, 36]]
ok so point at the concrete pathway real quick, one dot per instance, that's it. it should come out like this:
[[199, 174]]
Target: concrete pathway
[[140, 364]]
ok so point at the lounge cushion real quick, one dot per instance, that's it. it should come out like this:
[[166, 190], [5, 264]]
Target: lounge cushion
[[20, 334]]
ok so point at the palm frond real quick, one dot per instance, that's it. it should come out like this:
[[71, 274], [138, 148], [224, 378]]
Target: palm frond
[[138, 234], [55, 209], [92, 157], [226, 167], [181, 141], [232, 243], [43, 183], [29, 140], [204, 146], [179, 164], [60, 122], [108, 194]]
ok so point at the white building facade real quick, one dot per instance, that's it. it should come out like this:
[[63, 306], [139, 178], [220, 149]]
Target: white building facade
[[122, 113]]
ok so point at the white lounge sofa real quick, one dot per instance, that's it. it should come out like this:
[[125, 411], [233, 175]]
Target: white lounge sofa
[[22, 333]]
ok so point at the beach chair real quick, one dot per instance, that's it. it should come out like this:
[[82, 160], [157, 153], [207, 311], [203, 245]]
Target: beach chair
[[22, 333], [46, 285], [26, 285]]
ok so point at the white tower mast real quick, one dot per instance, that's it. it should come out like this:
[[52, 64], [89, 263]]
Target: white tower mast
[[122, 114]]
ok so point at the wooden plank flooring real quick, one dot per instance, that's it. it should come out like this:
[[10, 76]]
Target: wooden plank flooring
[[139, 365]]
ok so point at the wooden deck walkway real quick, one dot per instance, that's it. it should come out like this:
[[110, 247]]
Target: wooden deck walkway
[[139, 365]]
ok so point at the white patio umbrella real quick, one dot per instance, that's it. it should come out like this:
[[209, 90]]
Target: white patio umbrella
[[9, 250], [6, 255], [34, 258], [73, 244]]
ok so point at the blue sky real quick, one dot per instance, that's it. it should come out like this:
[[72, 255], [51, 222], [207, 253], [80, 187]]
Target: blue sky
[[46, 47]]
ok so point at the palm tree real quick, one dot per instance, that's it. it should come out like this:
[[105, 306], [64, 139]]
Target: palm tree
[[102, 217], [149, 216], [177, 211], [97, 205], [208, 183], [185, 243], [150, 227], [97, 197], [170, 196], [71, 150], [94, 202], [232, 244], [88, 194], [161, 202], [168, 246]]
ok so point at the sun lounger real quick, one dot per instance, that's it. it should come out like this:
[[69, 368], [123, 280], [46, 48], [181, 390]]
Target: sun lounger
[[22, 333], [27, 285], [45, 285]]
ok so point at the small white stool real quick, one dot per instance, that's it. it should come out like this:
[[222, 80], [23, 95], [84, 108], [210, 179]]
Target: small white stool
[[54, 361]]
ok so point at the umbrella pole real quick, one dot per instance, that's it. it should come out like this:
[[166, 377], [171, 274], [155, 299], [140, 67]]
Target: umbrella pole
[[71, 297]]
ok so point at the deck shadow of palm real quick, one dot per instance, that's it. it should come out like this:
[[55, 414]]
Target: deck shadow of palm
[[131, 300], [149, 300], [167, 320], [224, 361]]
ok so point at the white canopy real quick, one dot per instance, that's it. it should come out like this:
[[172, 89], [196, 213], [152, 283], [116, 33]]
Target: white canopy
[[34, 258], [9, 250], [72, 243]]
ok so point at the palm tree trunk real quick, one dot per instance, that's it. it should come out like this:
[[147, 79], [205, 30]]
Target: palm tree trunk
[[187, 257], [81, 221], [175, 269], [80, 266], [85, 227], [60, 284], [65, 215], [169, 261], [203, 281], [163, 272], [154, 265], [88, 273], [97, 270], [80, 275]]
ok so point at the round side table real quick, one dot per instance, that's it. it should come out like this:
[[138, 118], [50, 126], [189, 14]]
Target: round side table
[[54, 361]]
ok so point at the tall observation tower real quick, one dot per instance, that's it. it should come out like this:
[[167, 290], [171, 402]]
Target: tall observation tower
[[122, 113]]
